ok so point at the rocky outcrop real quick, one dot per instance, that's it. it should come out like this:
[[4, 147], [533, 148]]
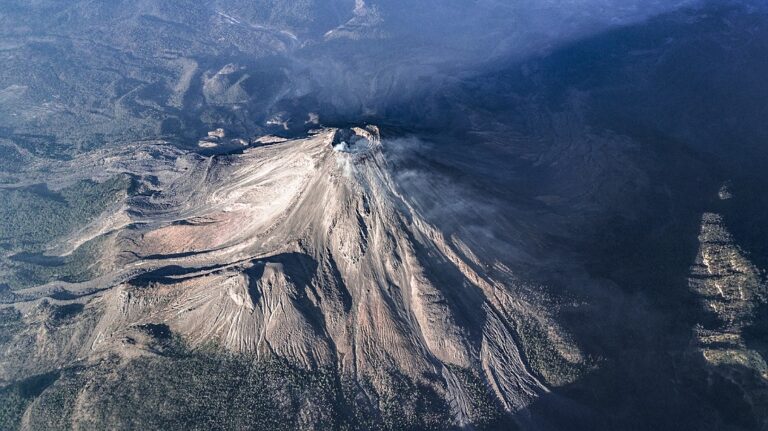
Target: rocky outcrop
[[306, 251]]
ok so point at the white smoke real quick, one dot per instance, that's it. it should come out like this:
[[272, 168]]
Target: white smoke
[[431, 43]]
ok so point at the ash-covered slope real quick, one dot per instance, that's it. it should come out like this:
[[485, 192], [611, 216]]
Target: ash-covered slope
[[568, 190], [299, 252]]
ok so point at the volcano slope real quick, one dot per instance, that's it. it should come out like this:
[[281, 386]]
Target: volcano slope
[[291, 282], [574, 240]]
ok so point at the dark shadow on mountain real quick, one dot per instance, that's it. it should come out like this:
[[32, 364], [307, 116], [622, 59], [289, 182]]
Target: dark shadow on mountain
[[638, 253], [642, 312], [300, 270]]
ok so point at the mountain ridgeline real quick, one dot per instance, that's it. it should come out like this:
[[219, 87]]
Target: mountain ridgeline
[[384, 215]]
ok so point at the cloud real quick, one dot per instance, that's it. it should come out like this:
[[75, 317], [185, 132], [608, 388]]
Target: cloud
[[416, 47]]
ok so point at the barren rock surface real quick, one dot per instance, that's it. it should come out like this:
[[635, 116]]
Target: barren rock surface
[[303, 251]]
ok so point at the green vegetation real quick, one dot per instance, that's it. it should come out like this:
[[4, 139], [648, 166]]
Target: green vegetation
[[406, 405], [192, 391], [32, 217], [205, 391], [16, 397], [10, 158], [543, 356], [12, 406], [27, 270], [10, 324], [486, 411]]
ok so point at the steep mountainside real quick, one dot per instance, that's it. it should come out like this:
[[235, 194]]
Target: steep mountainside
[[302, 252], [557, 221]]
